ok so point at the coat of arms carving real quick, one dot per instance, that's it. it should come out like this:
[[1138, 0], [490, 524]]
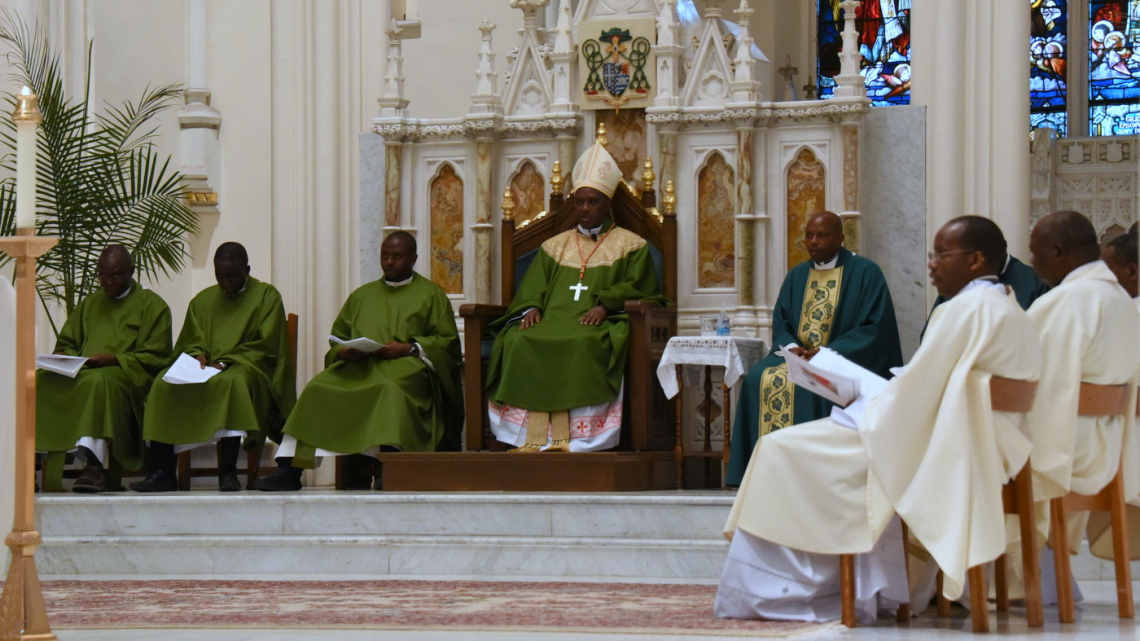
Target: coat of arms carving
[[616, 65]]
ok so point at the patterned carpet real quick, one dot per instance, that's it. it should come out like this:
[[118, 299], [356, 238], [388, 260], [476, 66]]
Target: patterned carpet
[[390, 605]]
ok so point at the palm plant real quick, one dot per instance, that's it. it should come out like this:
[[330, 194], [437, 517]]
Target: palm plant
[[100, 178]]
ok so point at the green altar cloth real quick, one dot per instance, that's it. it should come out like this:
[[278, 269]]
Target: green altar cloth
[[850, 311], [352, 406], [559, 363], [105, 402], [247, 332]]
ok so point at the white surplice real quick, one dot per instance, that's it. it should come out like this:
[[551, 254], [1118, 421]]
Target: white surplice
[[929, 448], [1089, 331]]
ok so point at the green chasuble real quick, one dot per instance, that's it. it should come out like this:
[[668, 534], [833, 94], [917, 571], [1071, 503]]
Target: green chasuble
[[105, 402], [848, 309], [247, 333], [352, 406], [560, 363]]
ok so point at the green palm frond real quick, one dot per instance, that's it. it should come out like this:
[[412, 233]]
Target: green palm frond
[[101, 179]]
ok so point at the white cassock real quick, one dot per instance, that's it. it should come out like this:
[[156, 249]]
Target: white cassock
[[929, 448], [1099, 530], [1089, 332]]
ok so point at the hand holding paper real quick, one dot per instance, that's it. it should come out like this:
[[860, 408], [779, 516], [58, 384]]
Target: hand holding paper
[[363, 344], [68, 366], [188, 371]]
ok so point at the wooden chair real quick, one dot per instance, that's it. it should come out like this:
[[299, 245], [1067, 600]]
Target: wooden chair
[[252, 468], [647, 424], [1006, 395], [1095, 400]]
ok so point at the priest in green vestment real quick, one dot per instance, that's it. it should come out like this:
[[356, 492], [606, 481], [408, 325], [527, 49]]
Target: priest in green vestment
[[836, 299], [405, 396], [555, 376], [237, 327], [124, 331]]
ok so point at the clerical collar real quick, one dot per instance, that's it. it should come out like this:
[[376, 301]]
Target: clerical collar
[[983, 282], [124, 294], [1008, 258], [1080, 271], [592, 233], [400, 283], [242, 290], [829, 264]]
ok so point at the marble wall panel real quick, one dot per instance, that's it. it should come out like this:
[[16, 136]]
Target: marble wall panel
[[892, 199], [529, 190], [807, 194], [446, 205], [716, 224], [625, 130], [372, 202]]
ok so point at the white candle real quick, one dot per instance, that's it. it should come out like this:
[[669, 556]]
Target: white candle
[[27, 118]]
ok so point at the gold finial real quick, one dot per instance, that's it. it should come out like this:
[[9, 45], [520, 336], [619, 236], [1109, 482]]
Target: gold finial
[[670, 199], [647, 176], [556, 178], [508, 205], [27, 108], [601, 135]]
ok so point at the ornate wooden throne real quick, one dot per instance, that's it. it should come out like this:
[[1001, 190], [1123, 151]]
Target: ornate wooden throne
[[642, 459]]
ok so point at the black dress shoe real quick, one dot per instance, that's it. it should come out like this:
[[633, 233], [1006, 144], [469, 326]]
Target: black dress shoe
[[228, 482], [91, 481], [159, 481], [283, 479]]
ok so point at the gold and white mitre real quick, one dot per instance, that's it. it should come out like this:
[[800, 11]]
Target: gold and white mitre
[[597, 169]]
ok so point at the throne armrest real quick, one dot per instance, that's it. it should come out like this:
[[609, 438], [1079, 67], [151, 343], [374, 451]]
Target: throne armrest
[[476, 318], [650, 328]]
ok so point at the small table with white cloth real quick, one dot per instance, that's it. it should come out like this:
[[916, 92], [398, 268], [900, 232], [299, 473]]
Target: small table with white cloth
[[736, 354]]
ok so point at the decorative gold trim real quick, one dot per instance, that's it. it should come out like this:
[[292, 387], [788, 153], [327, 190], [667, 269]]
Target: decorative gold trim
[[556, 179], [647, 176], [27, 109], [508, 205], [619, 243], [821, 297], [670, 200], [600, 136], [777, 400]]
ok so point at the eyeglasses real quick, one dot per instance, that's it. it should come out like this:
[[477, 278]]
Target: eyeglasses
[[938, 256]]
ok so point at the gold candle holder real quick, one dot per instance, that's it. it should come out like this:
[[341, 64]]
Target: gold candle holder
[[23, 615]]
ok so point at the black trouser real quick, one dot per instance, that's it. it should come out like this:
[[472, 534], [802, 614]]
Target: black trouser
[[162, 456]]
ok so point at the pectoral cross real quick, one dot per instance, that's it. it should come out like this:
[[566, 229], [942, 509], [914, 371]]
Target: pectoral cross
[[578, 289]]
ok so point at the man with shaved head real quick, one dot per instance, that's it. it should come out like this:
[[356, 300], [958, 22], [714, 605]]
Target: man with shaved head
[[124, 331], [237, 327], [1088, 326], [836, 299], [928, 447], [403, 396]]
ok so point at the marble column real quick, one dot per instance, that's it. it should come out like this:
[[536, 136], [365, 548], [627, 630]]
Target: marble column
[[745, 321], [393, 159], [667, 147], [483, 226], [977, 113]]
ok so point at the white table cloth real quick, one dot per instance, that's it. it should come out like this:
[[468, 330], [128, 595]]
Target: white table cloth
[[736, 354]]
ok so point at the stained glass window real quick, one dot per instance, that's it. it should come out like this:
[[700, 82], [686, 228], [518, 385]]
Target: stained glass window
[[1114, 67], [884, 42], [1048, 49]]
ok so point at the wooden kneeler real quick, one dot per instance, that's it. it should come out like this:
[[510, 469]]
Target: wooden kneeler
[[252, 469], [1095, 400], [1014, 396]]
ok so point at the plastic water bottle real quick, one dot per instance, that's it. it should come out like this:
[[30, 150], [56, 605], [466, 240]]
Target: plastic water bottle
[[723, 328]]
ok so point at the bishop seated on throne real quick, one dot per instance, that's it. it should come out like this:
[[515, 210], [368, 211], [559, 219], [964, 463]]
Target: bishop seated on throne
[[555, 378]]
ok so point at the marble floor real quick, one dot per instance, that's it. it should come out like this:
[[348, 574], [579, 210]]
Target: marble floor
[[1097, 621]]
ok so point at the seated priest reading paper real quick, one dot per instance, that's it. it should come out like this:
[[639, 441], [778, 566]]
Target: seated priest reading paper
[[836, 299], [235, 340], [927, 447], [400, 393], [1088, 327], [124, 332], [555, 378]]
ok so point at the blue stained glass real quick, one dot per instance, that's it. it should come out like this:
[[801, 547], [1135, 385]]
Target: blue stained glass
[[884, 42], [1056, 120], [1114, 69], [1048, 55]]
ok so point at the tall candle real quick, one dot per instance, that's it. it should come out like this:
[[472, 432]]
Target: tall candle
[[27, 117]]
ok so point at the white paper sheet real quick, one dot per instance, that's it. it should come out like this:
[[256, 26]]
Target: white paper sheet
[[68, 366], [188, 371], [870, 385], [815, 376], [362, 344]]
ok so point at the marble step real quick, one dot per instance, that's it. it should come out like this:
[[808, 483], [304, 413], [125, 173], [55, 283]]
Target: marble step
[[662, 536]]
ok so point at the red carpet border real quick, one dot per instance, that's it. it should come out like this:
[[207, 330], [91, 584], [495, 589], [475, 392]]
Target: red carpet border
[[393, 605]]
